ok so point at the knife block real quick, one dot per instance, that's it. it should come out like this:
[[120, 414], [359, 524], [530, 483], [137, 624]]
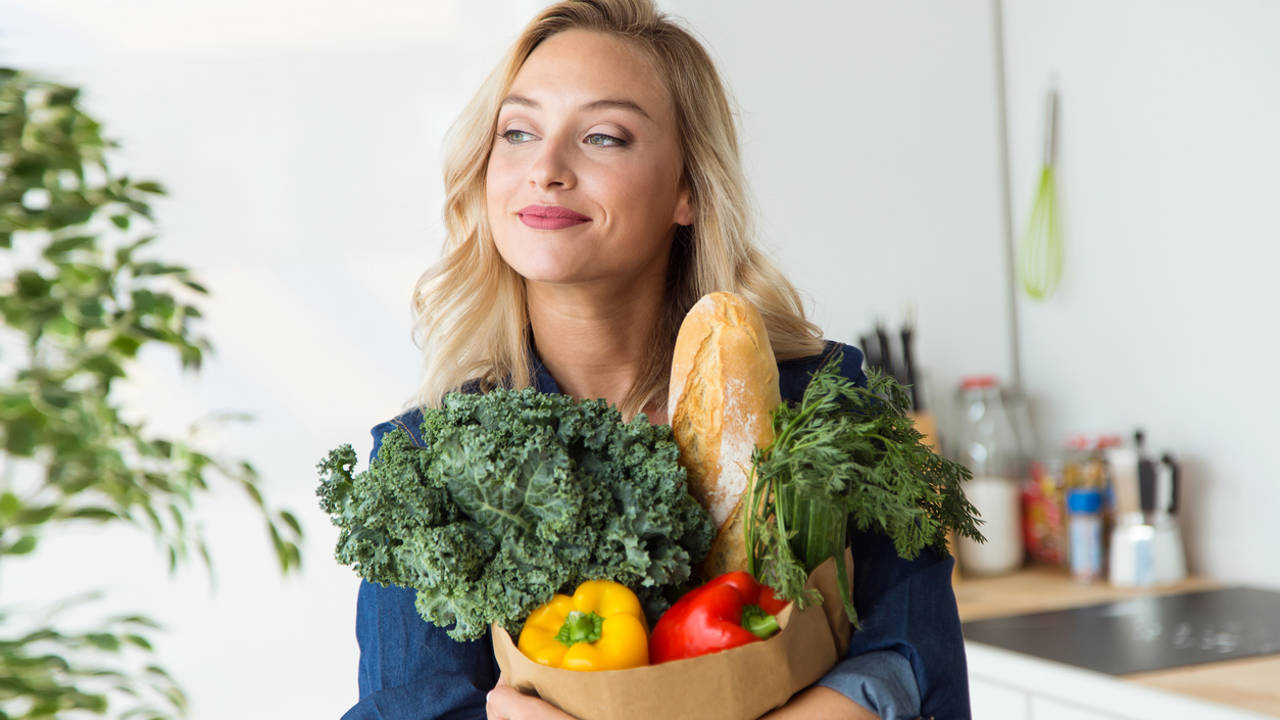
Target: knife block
[[925, 423], [927, 427]]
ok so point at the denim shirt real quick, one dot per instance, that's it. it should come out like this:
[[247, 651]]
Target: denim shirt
[[906, 660]]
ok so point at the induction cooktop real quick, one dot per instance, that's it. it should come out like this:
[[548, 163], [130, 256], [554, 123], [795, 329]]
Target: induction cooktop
[[1142, 634]]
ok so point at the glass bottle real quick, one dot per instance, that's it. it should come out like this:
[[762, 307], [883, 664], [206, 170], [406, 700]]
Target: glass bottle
[[988, 446]]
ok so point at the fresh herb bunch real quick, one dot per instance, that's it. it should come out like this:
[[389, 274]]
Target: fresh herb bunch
[[514, 496], [848, 458]]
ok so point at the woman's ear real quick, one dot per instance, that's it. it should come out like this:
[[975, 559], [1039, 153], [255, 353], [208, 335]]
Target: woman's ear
[[684, 205]]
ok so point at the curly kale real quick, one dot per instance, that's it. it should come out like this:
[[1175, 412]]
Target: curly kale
[[516, 495]]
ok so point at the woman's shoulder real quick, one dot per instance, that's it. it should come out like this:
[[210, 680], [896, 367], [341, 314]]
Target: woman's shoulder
[[411, 420], [794, 374]]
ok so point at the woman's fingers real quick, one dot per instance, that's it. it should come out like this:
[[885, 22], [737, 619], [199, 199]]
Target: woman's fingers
[[496, 704], [506, 703]]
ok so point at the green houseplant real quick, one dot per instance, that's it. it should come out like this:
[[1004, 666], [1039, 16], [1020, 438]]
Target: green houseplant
[[79, 298]]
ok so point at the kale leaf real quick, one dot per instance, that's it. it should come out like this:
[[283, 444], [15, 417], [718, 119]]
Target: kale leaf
[[513, 496]]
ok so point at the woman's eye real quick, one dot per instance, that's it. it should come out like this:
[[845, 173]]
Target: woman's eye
[[604, 140], [519, 137], [515, 137]]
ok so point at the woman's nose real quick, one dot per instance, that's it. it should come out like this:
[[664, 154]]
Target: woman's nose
[[552, 165]]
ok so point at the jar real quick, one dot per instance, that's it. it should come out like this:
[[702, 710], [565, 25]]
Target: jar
[[1075, 460], [987, 445], [1084, 512], [1044, 522]]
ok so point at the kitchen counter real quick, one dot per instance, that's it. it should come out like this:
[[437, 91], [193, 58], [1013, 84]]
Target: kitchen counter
[[1041, 588], [1010, 684]]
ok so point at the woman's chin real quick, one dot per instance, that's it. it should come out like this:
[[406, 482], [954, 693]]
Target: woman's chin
[[550, 273], [546, 265]]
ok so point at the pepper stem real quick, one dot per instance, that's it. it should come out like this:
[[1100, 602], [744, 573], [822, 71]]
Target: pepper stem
[[760, 623], [580, 627]]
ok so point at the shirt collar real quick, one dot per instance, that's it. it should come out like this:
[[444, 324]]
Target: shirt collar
[[542, 380]]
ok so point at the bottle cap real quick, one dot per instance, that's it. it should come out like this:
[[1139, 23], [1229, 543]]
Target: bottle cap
[[971, 382], [1084, 500]]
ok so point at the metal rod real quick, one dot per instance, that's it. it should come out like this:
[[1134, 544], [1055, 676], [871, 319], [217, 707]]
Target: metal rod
[[1002, 115], [1050, 127]]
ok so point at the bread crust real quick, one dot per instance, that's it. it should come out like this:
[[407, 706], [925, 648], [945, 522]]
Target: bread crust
[[724, 388]]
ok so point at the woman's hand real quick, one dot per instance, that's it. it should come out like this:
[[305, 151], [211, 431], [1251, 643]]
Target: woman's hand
[[507, 703], [820, 703]]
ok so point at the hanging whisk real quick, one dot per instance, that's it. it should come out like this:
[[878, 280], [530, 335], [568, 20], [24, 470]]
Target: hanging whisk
[[1040, 255]]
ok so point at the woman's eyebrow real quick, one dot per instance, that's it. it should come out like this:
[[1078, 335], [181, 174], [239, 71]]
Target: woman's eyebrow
[[601, 104]]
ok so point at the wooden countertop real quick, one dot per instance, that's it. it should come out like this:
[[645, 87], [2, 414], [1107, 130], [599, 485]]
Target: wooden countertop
[[1041, 588], [1250, 683]]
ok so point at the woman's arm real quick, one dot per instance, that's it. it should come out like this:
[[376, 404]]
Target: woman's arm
[[820, 703], [907, 659], [410, 669]]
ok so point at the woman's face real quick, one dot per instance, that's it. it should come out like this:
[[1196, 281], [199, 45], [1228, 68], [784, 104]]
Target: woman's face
[[588, 130]]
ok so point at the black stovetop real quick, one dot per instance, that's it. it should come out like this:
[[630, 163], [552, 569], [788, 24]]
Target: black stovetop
[[1150, 633]]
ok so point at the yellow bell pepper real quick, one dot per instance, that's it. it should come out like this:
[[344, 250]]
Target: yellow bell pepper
[[600, 628]]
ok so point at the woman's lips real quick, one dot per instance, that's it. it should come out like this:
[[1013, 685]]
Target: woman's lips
[[550, 217], [549, 223]]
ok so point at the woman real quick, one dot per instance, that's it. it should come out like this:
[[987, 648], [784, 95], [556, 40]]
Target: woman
[[594, 193]]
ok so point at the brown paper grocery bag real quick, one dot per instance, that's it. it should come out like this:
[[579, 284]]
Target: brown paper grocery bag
[[738, 684]]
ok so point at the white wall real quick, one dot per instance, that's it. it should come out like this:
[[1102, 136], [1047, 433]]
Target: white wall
[[871, 144], [1168, 181]]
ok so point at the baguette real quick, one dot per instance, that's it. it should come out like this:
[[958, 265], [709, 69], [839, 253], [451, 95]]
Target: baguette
[[724, 388]]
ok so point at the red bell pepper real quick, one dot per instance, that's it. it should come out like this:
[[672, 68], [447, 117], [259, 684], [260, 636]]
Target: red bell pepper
[[731, 610]]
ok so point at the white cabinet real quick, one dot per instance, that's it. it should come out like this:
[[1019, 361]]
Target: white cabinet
[[1045, 709], [1005, 685], [990, 700]]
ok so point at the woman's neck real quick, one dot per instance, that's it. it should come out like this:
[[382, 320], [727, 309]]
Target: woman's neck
[[595, 341]]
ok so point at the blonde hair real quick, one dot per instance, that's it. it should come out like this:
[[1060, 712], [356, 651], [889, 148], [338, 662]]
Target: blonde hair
[[471, 319]]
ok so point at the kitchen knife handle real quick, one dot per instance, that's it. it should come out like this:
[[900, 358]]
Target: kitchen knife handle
[[869, 355], [886, 358], [909, 370], [1175, 480]]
